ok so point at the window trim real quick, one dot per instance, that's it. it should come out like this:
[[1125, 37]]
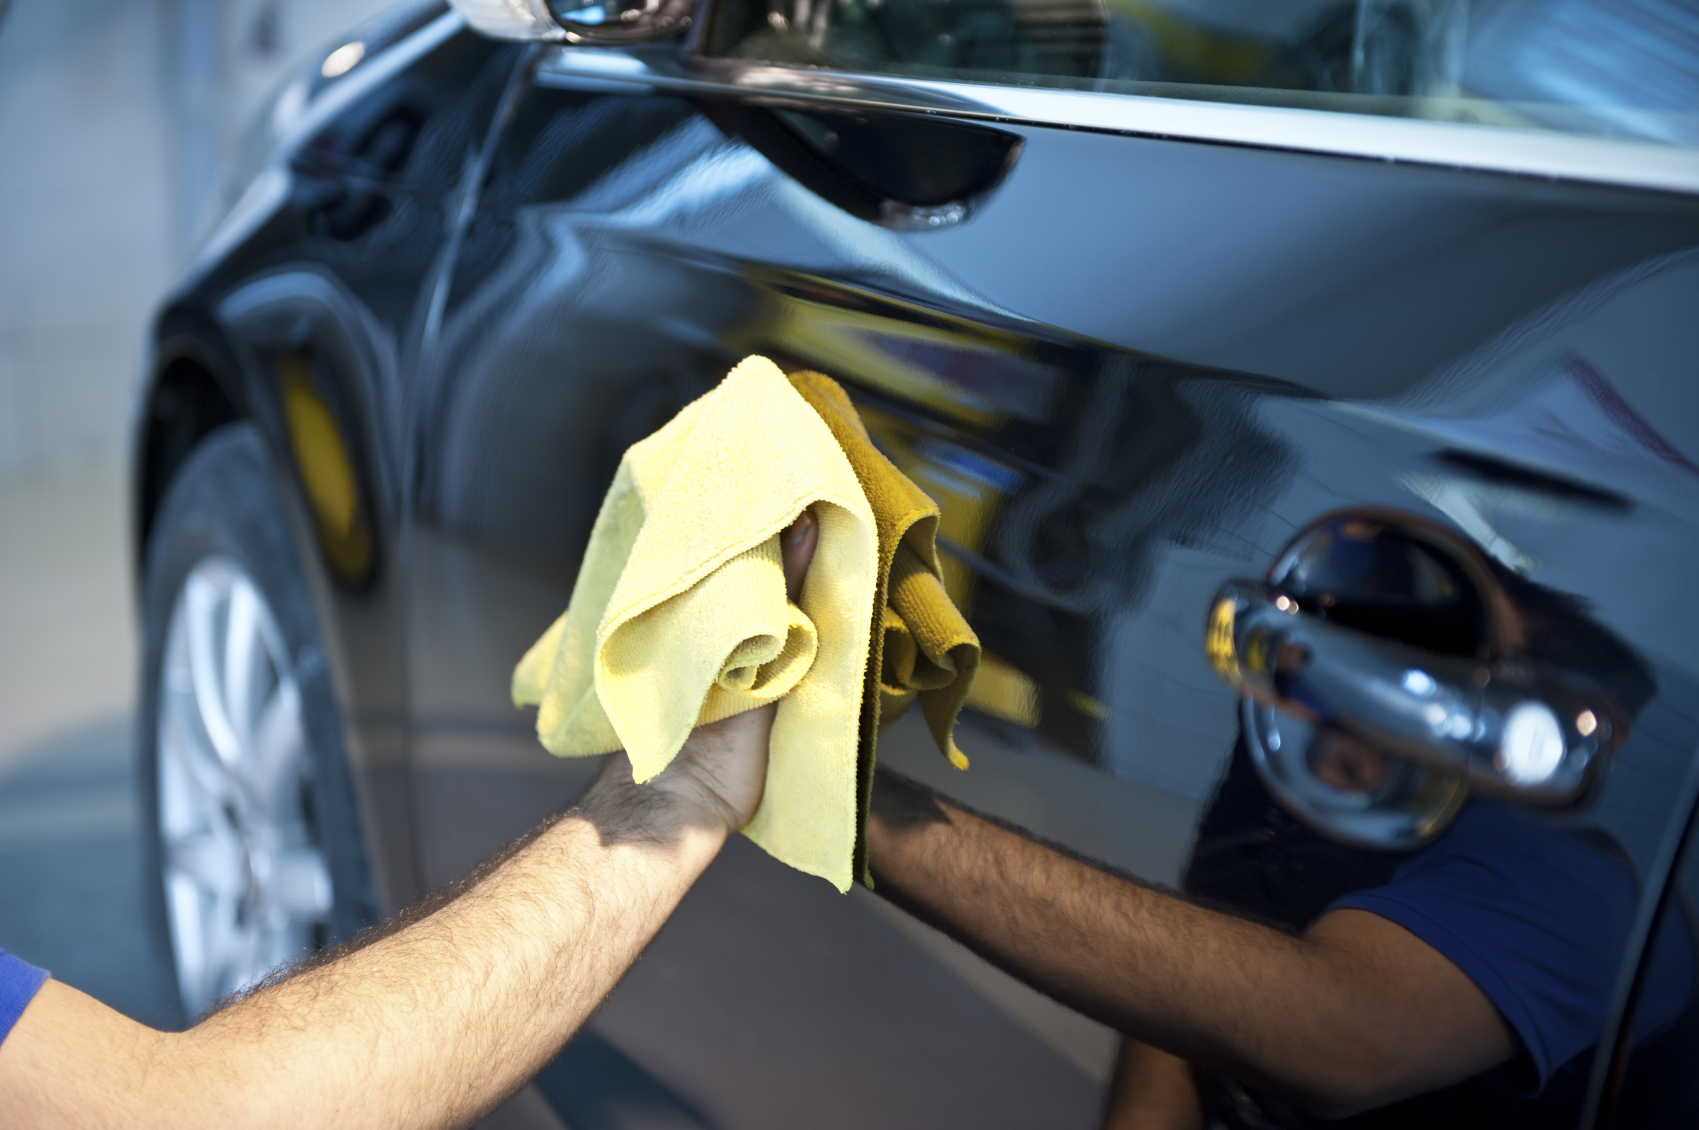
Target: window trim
[[1490, 149]]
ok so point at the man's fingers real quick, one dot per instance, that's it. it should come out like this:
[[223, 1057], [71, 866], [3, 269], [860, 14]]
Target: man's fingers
[[796, 546]]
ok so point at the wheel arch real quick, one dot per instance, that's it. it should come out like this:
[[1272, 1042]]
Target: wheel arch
[[286, 351], [215, 363], [191, 388]]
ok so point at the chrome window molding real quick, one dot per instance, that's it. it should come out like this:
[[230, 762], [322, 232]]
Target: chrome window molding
[[1534, 153]]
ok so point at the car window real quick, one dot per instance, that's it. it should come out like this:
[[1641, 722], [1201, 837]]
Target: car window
[[1624, 68]]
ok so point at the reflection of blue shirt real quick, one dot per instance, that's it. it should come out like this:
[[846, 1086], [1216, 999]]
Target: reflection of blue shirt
[[19, 981], [1538, 919]]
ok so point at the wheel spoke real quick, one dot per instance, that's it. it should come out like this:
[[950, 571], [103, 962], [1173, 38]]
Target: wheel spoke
[[184, 904], [211, 861], [273, 765], [300, 884], [244, 650], [201, 604], [193, 778]]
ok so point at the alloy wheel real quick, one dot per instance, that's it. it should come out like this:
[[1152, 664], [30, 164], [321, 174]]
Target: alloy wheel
[[247, 883]]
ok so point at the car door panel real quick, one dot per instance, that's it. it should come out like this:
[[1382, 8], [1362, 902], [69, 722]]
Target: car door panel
[[1294, 266], [1132, 371]]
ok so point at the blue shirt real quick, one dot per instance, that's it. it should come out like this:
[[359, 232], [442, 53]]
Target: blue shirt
[[19, 981], [1538, 919]]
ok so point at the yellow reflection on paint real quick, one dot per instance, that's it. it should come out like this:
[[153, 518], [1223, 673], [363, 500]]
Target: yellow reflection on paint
[[327, 474], [1003, 691], [1088, 706], [1218, 641]]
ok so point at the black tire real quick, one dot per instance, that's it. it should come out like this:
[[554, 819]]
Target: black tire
[[226, 503]]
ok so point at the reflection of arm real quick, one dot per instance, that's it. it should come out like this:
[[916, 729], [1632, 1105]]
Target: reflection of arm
[[1151, 1090], [1355, 1013]]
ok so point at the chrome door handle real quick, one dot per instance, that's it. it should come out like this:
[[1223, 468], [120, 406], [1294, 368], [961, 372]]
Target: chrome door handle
[[1506, 725]]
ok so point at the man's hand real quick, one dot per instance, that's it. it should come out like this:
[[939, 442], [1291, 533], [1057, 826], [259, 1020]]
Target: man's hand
[[719, 774], [437, 1017]]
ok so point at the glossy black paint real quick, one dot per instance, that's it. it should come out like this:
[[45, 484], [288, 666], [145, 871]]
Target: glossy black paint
[[1132, 372], [340, 275]]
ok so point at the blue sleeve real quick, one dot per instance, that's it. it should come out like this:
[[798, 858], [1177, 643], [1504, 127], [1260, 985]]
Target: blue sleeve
[[1534, 916], [19, 981]]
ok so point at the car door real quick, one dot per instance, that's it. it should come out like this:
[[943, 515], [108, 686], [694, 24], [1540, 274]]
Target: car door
[[1136, 294]]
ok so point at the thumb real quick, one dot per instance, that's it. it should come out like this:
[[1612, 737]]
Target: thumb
[[796, 547]]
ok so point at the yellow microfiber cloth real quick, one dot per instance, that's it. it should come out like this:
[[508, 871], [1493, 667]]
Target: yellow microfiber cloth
[[922, 648], [679, 615]]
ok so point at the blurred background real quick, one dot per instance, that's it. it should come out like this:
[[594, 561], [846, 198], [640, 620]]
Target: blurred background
[[115, 116]]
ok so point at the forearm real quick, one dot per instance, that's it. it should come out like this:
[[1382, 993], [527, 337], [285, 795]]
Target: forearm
[[430, 1025], [1302, 1016], [1126, 955], [1151, 1090], [437, 1024]]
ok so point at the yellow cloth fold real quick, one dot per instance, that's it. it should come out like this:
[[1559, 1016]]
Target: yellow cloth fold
[[679, 615], [930, 652], [922, 648]]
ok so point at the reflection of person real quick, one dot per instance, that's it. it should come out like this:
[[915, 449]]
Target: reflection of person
[[441, 1014], [1496, 947], [1534, 916], [1303, 979], [1353, 1014]]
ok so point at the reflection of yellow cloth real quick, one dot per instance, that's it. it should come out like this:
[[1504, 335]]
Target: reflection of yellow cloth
[[922, 648], [679, 615]]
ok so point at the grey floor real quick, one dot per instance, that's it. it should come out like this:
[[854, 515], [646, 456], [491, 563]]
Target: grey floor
[[70, 878]]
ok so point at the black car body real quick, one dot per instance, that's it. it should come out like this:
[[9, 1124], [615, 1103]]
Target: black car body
[[1131, 338]]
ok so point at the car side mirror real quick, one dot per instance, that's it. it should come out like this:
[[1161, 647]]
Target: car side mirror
[[587, 22]]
